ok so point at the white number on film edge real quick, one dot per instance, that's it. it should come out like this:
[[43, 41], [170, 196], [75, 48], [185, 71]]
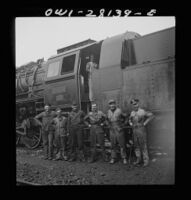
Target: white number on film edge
[[48, 12], [101, 12], [127, 12], [152, 12], [90, 14]]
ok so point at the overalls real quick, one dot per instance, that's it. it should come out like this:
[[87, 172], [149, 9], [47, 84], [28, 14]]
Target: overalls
[[116, 133], [75, 127], [97, 132], [139, 134], [47, 132], [60, 134]]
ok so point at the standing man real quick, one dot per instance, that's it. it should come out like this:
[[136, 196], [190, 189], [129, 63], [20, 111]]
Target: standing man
[[91, 65], [95, 121], [75, 127], [115, 117], [139, 118], [47, 131], [60, 136]]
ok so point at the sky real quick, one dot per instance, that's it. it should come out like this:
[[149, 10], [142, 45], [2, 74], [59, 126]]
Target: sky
[[40, 37]]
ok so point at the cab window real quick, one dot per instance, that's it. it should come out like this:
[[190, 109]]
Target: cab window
[[68, 64], [53, 69]]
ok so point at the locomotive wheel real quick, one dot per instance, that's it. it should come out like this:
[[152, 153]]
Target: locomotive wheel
[[33, 138]]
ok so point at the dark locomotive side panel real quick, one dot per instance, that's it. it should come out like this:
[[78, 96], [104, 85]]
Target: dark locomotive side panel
[[61, 87]]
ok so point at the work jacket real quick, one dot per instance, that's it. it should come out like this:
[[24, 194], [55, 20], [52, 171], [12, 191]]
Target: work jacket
[[96, 119], [47, 119], [115, 118], [76, 118], [138, 117], [60, 124]]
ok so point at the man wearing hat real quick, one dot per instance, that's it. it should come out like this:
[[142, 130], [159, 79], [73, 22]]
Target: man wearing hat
[[90, 66], [60, 135], [75, 127], [138, 119], [47, 130], [116, 131], [95, 121]]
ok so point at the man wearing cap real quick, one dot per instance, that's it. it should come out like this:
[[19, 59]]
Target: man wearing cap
[[90, 66], [95, 121], [138, 119], [75, 127], [115, 123], [60, 135], [47, 131]]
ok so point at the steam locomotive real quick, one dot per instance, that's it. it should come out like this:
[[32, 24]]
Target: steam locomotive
[[129, 66]]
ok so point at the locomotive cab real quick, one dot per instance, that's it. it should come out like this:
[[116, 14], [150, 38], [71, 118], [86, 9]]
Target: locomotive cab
[[66, 79]]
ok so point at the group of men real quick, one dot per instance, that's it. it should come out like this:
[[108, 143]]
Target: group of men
[[56, 127]]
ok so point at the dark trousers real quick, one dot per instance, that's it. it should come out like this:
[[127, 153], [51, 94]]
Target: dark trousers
[[96, 135], [76, 141], [47, 138], [117, 137]]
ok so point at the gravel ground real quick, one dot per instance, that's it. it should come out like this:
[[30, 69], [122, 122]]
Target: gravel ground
[[32, 168]]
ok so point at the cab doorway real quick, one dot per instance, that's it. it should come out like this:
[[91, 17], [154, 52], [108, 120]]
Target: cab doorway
[[84, 75]]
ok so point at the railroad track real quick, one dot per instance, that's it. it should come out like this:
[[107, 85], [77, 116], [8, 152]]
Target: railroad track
[[22, 182]]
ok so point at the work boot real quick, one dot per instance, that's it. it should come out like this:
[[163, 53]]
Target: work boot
[[65, 158], [137, 162], [64, 155], [45, 157], [72, 159], [81, 156], [104, 157], [124, 161], [112, 161], [58, 158], [145, 164], [91, 160], [83, 159], [61, 156]]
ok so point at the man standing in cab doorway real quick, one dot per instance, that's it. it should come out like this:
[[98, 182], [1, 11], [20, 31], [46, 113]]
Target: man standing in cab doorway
[[47, 130], [75, 127], [60, 135], [90, 66], [95, 121], [115, 122], [138, 119]]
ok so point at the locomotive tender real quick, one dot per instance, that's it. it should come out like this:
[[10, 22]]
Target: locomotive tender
[[129, 66]]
